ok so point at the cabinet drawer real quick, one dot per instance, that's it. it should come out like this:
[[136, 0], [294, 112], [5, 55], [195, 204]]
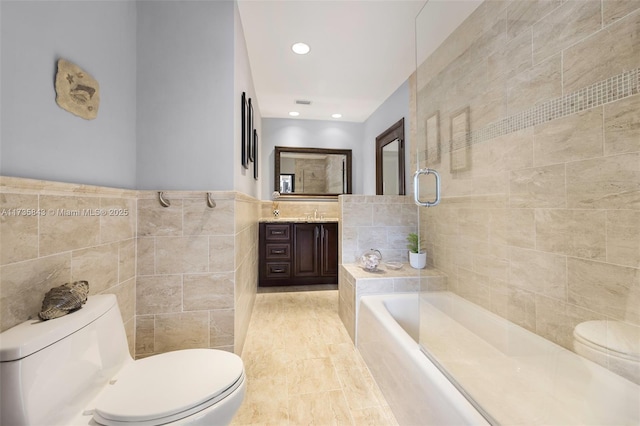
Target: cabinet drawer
[[278, 270], [281, 251], [276, 232]]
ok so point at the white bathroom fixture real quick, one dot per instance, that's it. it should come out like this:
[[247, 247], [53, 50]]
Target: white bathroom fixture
[[76, 370], [613, 344]]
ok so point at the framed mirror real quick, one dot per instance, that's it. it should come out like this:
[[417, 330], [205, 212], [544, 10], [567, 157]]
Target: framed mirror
[[390, 161], [312, 172]]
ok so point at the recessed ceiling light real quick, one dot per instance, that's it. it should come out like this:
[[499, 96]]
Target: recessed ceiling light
[[336, 115], [294, 113], [301, 48]]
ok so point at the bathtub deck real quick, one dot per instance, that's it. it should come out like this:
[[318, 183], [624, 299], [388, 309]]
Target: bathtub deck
[[354, 282]]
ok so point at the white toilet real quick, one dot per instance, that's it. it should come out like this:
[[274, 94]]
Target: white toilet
[[613, 344], [76, 370]]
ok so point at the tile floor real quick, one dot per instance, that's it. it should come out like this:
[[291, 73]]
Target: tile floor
[[303, 369]]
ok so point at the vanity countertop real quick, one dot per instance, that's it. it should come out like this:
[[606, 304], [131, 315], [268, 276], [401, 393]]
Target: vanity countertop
[[298, 220]]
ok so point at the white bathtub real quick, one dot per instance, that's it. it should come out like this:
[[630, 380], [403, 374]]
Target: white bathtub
[[515, 376], [417, 392]]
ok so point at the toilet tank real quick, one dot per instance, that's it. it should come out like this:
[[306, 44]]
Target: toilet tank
[[50, 370]]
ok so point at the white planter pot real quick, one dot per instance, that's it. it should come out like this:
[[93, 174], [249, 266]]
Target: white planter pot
[[418, 260]]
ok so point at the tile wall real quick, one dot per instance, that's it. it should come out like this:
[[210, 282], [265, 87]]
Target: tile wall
[[53, 233], [380, 222], [311, 176], [540, 219], [299, 209], [185, 276], [196, 271], [247, 214], [355, 283]]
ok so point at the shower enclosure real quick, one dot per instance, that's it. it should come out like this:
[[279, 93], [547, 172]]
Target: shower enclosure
[[529, 113]]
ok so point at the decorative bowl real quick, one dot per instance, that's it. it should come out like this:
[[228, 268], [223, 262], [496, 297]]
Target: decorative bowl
[[394, 265], [370, 260]]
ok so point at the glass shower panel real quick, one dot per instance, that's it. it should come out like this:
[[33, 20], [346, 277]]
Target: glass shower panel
[[530, 302]]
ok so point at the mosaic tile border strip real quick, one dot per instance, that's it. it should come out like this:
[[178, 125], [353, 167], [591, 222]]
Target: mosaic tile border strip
[[612, 89]]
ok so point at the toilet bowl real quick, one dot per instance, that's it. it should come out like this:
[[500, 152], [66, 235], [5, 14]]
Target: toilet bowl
[[76, 370], [612, 344]]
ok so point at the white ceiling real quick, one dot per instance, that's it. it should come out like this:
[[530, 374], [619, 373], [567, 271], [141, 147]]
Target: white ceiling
[[361, 51]]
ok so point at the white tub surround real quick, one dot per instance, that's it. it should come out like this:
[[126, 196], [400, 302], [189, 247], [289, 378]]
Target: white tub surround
[[513, 375]]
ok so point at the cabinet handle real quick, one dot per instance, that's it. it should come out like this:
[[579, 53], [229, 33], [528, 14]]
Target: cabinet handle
[[277, 232], [277, 251], [316, 232], [277, 270]]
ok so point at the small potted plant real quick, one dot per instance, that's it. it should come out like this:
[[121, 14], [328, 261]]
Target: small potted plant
[[417, 256]]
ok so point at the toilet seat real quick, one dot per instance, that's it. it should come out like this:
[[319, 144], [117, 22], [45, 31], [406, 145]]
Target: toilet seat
[[613, 338], [168, 387]]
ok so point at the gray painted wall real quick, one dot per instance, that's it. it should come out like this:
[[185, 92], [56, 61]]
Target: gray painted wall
[[185, 95], [310, 134], [244, 181], [40, 140], [359, 137], [393, 109], [168, 73]]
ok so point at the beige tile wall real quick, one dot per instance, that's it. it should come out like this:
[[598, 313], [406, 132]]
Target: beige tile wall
[[53, 233], [299, 209], [311, 176], [379, 222], [248, 212], [185, 276], [355, 283], [543, 227], [197, 271]]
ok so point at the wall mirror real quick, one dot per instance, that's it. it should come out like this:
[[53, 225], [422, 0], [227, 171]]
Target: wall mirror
[[390, 161], [312, 172]]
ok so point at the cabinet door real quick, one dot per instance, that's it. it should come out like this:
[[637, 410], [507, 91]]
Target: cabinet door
[[306, 259], [330, 249]]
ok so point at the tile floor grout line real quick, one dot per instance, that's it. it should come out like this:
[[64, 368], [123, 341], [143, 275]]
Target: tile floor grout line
[[322, 307]]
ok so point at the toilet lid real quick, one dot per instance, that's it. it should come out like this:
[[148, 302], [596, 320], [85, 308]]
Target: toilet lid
[[610, 336], [168, 387]]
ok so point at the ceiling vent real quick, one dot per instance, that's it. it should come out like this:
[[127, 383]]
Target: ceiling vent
[[302, 102]]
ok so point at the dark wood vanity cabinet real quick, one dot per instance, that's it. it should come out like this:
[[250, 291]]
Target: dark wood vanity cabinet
[[298, 253], [329, 251]]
